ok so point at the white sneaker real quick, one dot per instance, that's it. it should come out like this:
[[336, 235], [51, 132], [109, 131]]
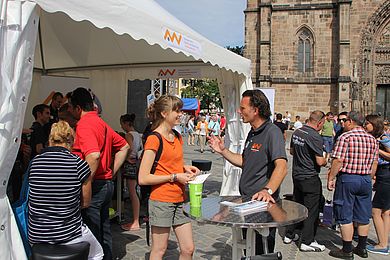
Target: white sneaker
[[288, 240], [313, 247]]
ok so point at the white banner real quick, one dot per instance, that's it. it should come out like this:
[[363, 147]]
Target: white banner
[[181, 41]]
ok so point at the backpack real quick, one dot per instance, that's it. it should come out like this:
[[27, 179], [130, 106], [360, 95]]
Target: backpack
[[145, 190], [20, 208]]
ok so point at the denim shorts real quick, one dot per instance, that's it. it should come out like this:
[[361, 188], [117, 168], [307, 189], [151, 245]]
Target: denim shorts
[[328, 143], [166, 214], [352, 199], [129, 170]]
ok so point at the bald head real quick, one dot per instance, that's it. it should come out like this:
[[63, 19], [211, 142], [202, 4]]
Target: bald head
[[316, 116], [316, 119]]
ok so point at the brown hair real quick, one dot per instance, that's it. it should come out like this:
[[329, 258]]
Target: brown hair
[[128, 118], [165, 103], [61, 134], [377, 124]]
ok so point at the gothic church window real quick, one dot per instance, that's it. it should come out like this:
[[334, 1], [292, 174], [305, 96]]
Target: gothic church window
[[305, 50]]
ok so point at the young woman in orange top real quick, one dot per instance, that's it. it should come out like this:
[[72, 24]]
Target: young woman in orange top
[[169, 179]]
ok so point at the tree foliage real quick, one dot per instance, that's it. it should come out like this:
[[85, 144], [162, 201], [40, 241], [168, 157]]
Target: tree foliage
[[206, 91], [237, 50]]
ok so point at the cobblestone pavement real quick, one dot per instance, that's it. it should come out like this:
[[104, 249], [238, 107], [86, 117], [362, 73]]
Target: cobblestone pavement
[[214, 242]]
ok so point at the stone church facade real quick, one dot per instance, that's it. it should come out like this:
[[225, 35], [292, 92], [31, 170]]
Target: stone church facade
[[332, 55]]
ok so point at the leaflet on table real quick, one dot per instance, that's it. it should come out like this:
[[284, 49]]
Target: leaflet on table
[[246, 207], [200, 178]]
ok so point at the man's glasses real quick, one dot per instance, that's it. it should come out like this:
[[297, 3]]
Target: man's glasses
[[342, 120]]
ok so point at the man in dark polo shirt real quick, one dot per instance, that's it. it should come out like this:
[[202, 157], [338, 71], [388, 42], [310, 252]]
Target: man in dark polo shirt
[[306, 147], [39, 136], [99, 145], [282, 126], [263, 161], [355, 159]]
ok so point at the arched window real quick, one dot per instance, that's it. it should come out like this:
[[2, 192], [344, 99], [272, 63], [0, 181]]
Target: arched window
[[305, 50]]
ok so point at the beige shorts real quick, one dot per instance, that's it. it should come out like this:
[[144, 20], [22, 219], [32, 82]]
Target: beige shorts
[[166, 214]]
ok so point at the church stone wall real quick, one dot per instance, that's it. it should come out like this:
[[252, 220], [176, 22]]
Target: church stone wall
[[301, 99], [361, 11], [285, 26], [271, 43]]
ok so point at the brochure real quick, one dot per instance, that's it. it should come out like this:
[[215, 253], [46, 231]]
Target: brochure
[[200, 178], [246, 207]]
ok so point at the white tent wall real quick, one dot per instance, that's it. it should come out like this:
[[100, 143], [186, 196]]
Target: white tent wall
[[18, 29], [231, 87], [110, 85]]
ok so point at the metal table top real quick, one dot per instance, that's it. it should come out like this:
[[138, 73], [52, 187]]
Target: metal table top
[[282, 213]]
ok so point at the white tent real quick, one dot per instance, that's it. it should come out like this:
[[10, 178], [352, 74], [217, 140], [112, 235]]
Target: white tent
[[68, 37]]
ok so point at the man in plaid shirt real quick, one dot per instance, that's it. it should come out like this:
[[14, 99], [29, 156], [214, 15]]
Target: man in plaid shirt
[[355, 159]]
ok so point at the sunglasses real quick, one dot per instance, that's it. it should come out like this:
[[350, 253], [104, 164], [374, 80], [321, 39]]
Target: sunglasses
[[342, 120]]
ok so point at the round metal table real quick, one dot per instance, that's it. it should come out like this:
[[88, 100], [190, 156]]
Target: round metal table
[[282, 213]]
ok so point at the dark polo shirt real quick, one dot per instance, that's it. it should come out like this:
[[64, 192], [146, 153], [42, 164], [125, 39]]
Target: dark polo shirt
[[307, 144], [262, 147], [38, 136]]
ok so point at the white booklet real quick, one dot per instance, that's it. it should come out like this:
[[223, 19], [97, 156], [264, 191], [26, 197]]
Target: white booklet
[[200, 178], [246, 207]]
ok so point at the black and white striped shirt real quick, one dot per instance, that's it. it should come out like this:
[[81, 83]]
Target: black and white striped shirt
[[55, 180]]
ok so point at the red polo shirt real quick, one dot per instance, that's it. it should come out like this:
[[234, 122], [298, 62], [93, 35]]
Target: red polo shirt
[[94, 135]]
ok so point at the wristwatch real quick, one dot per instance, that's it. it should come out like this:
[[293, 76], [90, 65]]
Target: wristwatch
[[270, 192], [173, 177]]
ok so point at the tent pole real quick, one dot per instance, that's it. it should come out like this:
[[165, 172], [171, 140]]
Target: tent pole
[[44, 71]]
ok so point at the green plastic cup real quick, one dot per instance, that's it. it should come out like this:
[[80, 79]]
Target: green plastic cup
[[195, 195], [196, 211]]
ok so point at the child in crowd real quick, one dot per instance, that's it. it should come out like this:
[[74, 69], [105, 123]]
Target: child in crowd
[[169, 179]]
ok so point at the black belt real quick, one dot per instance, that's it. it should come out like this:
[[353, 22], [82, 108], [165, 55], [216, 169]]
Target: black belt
[[355, 174]]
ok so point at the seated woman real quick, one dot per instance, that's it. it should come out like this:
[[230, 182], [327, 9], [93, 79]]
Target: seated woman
[[60, 185]]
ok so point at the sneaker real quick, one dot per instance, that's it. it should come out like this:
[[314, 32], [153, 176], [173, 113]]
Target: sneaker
[[360, 252], [288, 240], [339, 253], [313, 247], [381, 251]]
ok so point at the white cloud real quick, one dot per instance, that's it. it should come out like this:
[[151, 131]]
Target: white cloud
[[221, 21]]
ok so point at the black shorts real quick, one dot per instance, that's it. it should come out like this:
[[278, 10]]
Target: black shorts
[[129, 170], [382, 186]]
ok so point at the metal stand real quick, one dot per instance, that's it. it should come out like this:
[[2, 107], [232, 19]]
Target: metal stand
[[249, 244], [264, 232]]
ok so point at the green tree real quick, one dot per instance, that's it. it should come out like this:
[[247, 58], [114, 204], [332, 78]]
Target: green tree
[[237, 50], [206, 91]]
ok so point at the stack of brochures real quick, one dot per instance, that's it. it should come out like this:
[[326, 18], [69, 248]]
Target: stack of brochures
[[247, 207]]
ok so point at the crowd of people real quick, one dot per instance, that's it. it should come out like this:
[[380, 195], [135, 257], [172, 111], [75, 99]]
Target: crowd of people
[[199, 127], [355, 150], [75, 156]]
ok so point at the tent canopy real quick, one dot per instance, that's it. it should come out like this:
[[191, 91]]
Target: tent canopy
[[122, 32], [97, 35]]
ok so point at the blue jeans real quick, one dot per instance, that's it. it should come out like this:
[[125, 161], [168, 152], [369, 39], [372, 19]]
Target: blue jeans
[[328, 143], [96, 216], [352, 199]]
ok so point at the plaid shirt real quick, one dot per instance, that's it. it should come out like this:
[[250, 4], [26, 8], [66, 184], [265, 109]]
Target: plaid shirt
[[358, 150]]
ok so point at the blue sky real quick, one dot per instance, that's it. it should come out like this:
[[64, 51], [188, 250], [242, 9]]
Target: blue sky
[[221, 21]]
